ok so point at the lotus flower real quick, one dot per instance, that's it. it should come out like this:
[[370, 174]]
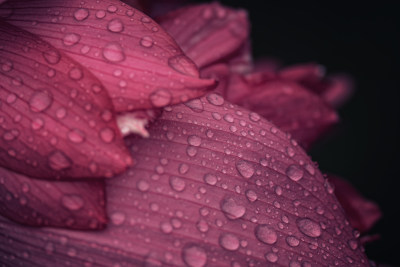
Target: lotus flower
[[131, 142]]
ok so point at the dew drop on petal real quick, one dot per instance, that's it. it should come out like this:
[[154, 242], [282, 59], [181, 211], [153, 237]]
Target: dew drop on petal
[[177, 183], [76, 136], [143, 185], [146, 41], [271, 257], [231, 209], [245, 169], [166, 227], [75, 74], [215, 99], [81, 14], [183, 168], [196, 105], [194, 140], [72, 202], [229, 242], [40, 101], [184, 65], [309, 227], [292, 241], [57, 160], [52, 56], [107, 135], [37, 124], [194, 256], [254, 117], [113, 52], [160, 98], [210, 179], [251, 195], [202, 226], [115, 25], [100, 14], [294, 172], [117, 218], [71, 39], [266, 234]]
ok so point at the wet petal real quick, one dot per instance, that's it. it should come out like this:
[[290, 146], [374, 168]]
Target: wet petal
[[362, 213], [207, 33], [56, 119], [290, 106], [139, 64], [75, 205], [211, 186]]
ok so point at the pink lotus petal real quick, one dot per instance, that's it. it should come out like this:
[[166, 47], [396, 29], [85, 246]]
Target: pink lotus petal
[[74, 205], [138, 63], [56, 119], [362, 213], [207, 33], [213, 185], [301, 72], [288, 105]]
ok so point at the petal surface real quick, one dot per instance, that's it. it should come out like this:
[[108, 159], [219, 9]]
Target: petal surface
[[139, 64], [74, 205], [56, 119], [208, 33], [214, 185], [290, 106]]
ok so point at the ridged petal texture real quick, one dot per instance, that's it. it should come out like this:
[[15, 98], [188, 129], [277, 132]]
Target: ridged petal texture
[[56, 119], [139, 64], [74, 205], [214, 185]]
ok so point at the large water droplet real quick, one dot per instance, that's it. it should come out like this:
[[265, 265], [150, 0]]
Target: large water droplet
[[81, 14], [37, 124], [100, 14], [245, 168], [72, 202], [52, 56], [75, 74], [184, 65], [113, 52], [292, 241], [266, 234], [210, 179], [166, 227], [294, 172], [271, 257], [160, 98], [76, 136], [40, 101], [147, 41], [196, 105], [177, 183], [251, 195], [194, 140], [115, 25], [118, 218], [202, 226], [194, 256], [57, 160], [143, 185], [231, 209], [229, 242], [107, 135], [183, 168], [71, 39], [215, 99], [309, 227], [254, 117]]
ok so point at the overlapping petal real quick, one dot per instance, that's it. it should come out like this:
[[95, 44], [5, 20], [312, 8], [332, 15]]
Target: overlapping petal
[[139, 64], [56, 119], [75, 205], [209, 33], [213, 185]]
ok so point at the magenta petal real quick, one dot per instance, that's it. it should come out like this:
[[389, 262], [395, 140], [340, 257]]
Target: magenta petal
[[139, 64], [291, 107], [56, 119], [362, 213], [213, 185], [207, 33], [75, 205]]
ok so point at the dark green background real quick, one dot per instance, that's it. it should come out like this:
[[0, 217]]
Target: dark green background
[[359, 40]]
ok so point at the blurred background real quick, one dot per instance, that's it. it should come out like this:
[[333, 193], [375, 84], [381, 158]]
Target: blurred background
[[360, 41]]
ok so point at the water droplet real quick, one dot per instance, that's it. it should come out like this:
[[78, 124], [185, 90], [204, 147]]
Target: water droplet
[[52, 56], [107, 135], [76, 136], [309, 227], [183, 168], [100, 14], [112, 9], [294, 172], [11, 98], [61, 113], [71, 39], [115, 25], [292, 241], [266, 234], [215, 99], [353, 244], [271, 257], [143, 185], [81, 14], [191, 151], [113, 52], [231, 209], [72, 202], [194, 140], [37, 124], [146, 41], [160, 98], [245, 168], [75, 74], [57, 160], [7, 66], [228, 118], [254, 117], [40, 101], [229, 242], [118, 218], [194, 256], [251, 195], [177, 183], [202, 226], [210, 179], [96, 88], [196, 105], [166, 227], [184, 65]]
